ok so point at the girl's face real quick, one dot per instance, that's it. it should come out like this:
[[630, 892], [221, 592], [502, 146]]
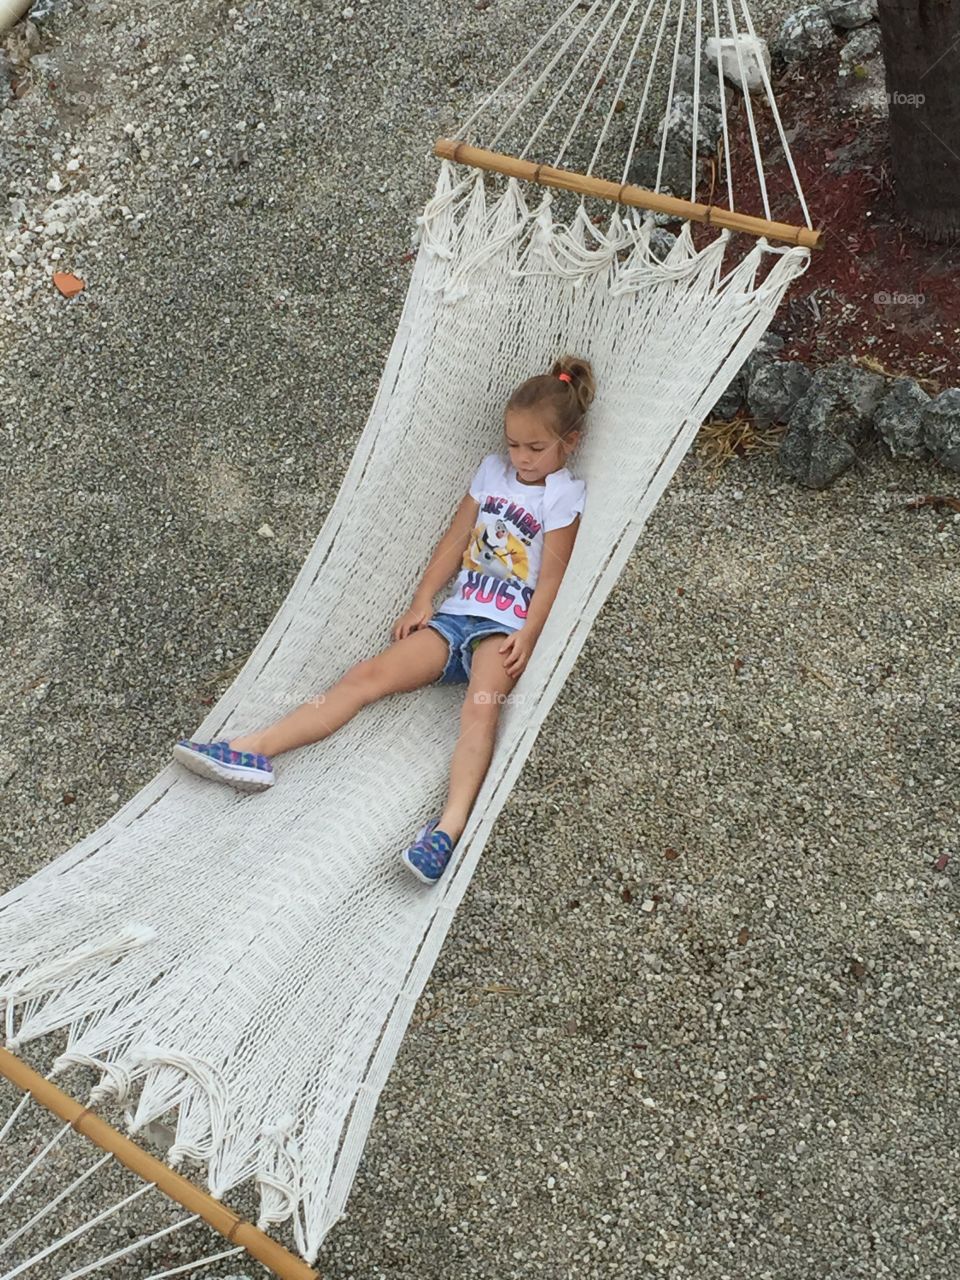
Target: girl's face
[[535, 451]]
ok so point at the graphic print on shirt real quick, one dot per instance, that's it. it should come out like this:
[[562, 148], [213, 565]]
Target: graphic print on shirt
[[497, 550]]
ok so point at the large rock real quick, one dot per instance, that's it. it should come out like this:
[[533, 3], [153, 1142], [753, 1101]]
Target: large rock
[[899, 419], [848, 14], [770, 345], [679, 126], [941, 427], [675, 179], [741, 53], [804, 33], [736, 393], [774, 389], [829, 422], [709, 82], [861, 46], [661, 242], [731, 402]]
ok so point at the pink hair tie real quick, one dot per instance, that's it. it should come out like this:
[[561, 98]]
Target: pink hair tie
[[564, 377]]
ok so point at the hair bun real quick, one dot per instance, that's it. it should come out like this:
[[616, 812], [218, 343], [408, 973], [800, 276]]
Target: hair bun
[[578, 373]]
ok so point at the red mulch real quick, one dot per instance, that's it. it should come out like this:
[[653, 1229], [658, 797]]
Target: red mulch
[[868, 250]]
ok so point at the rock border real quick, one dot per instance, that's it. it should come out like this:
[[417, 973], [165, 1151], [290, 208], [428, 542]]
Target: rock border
[[834, 412]]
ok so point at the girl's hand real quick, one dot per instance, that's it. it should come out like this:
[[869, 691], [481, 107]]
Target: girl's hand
[[417, 616], [516, 651]]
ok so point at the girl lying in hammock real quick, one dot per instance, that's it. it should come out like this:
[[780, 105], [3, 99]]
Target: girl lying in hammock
[[511, 537]]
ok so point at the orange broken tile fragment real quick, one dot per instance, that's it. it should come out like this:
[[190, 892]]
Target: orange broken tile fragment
[[68, 284]]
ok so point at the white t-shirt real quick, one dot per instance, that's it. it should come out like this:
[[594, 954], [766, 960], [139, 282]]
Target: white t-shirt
[[502, 561]]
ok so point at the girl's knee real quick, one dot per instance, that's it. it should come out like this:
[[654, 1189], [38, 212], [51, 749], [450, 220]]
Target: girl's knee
[[366, 677], [402, 666]]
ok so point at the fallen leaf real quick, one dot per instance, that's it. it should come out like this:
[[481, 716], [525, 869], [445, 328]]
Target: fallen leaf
[[69, 285], [941, 862]]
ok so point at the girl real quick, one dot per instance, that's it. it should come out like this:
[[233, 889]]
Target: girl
[[511, 539]]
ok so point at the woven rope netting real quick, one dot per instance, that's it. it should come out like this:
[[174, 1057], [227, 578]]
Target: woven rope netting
[[248, 964]]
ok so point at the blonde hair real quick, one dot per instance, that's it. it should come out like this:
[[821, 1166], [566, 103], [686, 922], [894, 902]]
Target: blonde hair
[[566, 401]]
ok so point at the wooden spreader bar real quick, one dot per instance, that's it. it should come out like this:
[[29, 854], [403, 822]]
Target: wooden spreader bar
[[236, 1230], [624, 193]]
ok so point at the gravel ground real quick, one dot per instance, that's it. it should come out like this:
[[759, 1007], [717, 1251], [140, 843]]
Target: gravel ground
[[697, 1014]]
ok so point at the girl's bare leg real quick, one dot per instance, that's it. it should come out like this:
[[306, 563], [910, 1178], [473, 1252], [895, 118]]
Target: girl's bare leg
[[489, 684], [410, 663]]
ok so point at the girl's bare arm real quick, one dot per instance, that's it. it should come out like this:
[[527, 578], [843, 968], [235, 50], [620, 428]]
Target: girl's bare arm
[[557, 549], [448, 554]]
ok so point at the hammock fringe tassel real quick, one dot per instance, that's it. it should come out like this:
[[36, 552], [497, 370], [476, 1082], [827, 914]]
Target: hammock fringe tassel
[[178, 1188]]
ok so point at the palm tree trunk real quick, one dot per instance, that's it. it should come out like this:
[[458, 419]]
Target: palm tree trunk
[[921, 52]]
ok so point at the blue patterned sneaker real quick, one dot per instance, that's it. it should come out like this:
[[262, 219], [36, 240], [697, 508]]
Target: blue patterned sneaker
[[429, 854], [241, 769]]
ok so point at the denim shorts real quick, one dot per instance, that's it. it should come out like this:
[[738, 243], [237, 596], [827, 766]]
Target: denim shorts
[[462, 631]]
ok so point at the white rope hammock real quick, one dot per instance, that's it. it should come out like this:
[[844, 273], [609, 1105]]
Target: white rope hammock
[[249, 964]]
